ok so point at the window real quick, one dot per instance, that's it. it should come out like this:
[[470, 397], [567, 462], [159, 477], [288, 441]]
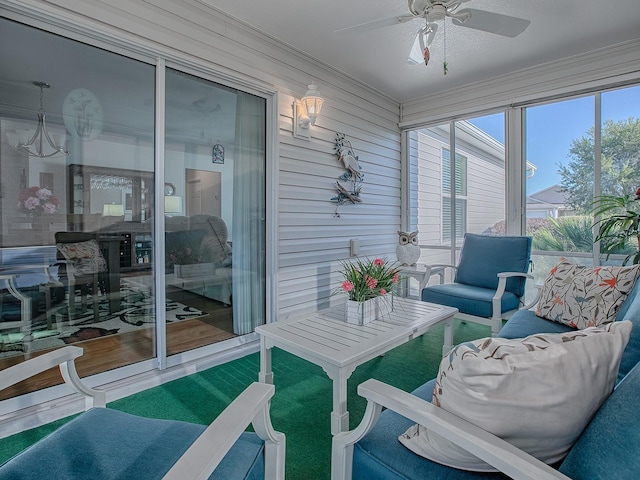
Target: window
[[460, 216]]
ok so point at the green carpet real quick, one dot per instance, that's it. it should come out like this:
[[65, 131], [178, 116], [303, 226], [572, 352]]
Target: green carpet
[[301, 405]]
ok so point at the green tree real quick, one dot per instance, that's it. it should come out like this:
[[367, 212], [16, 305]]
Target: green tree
[[620, 164]]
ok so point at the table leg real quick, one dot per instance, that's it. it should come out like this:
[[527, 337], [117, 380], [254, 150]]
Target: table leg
[[340, 414], [448, 336], [266, 374]]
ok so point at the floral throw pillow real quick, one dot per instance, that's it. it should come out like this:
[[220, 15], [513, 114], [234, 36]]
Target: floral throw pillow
[[584, 297], [86, 257]]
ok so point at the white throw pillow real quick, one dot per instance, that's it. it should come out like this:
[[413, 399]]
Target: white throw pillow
[[538, 393], [86, 257], [584, 297]]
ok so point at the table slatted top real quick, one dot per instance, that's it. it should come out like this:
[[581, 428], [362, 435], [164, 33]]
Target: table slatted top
[[327, 336]]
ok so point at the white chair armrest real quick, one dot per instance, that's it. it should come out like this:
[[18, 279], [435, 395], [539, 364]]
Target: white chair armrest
[[204, 455], [535, 300], [514, 274], [64, 358], [486, 446], [441, 265], [502, 285]]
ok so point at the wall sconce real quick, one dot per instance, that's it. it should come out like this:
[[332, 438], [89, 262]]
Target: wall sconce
[[112, 210], [306, 111]]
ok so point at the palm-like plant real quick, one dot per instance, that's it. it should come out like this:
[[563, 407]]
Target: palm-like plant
[[565, 234], [618, 224]]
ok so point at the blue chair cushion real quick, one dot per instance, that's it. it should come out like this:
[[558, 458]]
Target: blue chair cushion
[[108, 444], [525, 322], [468, 299], [483, 256], [379, 455], [603, 449]]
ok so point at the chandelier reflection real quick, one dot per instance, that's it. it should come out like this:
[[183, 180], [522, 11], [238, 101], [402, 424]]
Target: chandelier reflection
[[35, 145], [101, 182]]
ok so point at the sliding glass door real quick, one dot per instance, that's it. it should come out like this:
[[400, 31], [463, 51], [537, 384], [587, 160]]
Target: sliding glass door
[[80, 253], [77, 187], [214, 203]]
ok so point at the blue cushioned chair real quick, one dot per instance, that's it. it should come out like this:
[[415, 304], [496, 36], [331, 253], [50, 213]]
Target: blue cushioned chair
[[489, 279], [107, 444]]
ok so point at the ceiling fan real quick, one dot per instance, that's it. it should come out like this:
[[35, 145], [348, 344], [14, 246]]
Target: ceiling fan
[[432, 11]]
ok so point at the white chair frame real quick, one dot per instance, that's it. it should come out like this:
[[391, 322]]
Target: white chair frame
[[24, 324], [202, 457], [502, 455]]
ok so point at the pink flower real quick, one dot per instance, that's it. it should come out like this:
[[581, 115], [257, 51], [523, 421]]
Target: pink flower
[[49, 208], [378, 262], [396, 278], [383, 291], [347, 286], [43, 193], [371, 282], [31, 203]]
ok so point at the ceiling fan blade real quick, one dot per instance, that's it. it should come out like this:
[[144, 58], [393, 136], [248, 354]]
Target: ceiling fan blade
[[493, 22], [386, 22]]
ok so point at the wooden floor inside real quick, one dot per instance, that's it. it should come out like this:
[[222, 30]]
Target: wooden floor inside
[[114, 351]]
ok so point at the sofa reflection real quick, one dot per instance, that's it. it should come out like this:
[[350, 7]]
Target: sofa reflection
[[197, 254]]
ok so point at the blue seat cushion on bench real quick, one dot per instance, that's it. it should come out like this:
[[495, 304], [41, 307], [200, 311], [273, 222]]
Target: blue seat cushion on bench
[[525, 322], [108, 444], [602, 451], [379, 455], [468, 299]]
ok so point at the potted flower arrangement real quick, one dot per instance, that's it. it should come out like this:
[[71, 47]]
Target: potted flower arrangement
[[366, 283], [37, 201]]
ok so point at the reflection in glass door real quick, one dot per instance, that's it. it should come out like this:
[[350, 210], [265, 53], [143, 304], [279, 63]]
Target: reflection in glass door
[[214, 212]]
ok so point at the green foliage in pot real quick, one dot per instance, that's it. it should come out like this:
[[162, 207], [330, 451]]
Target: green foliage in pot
[[618, 224]]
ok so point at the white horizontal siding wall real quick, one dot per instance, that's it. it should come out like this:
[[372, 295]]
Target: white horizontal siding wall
[[310, 240], [485, 185]]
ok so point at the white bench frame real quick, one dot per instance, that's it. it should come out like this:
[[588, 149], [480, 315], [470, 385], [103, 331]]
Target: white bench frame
[[502, 455]]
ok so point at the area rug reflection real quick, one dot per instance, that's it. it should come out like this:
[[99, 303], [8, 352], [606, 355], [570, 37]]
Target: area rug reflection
[[137, 312]]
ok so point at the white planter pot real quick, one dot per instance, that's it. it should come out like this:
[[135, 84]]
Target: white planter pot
[[361, 313]]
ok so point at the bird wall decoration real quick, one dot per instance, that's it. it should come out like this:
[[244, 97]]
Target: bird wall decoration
[[349, 184]]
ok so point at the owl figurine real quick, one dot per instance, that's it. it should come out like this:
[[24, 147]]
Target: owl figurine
[[408, 251]]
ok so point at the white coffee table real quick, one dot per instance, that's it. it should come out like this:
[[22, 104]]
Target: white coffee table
[[325, 339]]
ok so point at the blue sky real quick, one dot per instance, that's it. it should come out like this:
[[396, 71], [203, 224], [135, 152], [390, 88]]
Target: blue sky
[[552, 128]]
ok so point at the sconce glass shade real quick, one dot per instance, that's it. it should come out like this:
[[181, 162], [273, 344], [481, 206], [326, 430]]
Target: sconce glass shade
[[112, 210], [312, 101], [172, 204]]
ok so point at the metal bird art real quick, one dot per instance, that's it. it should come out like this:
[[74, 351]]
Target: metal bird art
[[351, 164], [352, 176]]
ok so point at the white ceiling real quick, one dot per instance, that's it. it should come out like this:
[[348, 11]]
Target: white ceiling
[[558, 29]]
